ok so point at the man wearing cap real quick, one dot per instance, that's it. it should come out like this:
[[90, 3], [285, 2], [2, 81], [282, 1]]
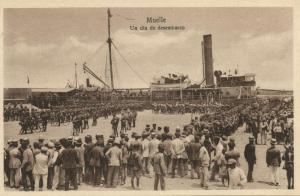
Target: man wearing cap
[[115, 122], [177, 150], [273, 160], [237, 178], [57, 168], [153, 144], [167, 143], [40, 169], [14, 165], [145, 148], [250, 156], [97, 156], [217, 158], [159, 168], [80, 153], [204, 160], [27, 165], [7, 159], [69, 160], [165, 133], [193, 154], [51, 150], [232, 153], [264, 131], [114, 155], [288, 158], [87, 157], [134, 116]]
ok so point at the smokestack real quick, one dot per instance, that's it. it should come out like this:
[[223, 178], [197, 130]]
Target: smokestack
[[88, 82], [208, 60]]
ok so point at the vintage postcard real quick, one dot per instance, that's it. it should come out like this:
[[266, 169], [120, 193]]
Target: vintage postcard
[[142, 97]]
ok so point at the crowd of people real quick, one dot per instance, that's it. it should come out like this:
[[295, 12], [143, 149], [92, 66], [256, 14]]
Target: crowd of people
[[203, 149]]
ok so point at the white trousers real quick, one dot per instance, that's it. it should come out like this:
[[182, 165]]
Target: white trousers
[[274, 171]]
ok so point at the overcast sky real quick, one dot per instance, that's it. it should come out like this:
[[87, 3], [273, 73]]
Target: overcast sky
[[45, 43]]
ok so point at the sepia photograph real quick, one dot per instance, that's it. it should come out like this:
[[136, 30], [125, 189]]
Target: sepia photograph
[[148, 99]]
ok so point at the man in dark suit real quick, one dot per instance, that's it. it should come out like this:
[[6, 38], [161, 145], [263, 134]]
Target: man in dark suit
[[288, 158], [69, 160], [97, 156], [273, 160], [193, 154], [250, 157]]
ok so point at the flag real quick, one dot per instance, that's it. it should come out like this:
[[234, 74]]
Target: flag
[[28, 79]]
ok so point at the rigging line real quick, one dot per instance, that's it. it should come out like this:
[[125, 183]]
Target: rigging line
[[141, 78], [116, 72], [94, 53]]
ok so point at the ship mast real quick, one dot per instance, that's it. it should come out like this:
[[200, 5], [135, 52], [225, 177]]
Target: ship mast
[[109, 41]]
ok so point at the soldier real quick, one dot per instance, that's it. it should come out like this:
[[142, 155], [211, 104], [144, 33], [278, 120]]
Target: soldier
[[134, 116], [159, 168], [288, 158], [273, 161], [250, 157], [27, 165], [115, 122], [136, 159]]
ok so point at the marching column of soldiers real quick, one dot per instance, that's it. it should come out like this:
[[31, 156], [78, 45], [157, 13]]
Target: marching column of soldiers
[[205, 145]]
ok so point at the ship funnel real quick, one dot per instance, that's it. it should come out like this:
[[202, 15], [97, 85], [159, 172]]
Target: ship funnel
[[208, 60]]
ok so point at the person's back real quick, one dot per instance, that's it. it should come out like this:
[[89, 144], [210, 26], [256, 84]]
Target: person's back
[[41, 164], [69, 158], [273, 157], [194, 150], [115, 156], [158, 163]]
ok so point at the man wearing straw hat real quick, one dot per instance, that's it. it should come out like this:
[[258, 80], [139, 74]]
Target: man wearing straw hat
[[273, 160]]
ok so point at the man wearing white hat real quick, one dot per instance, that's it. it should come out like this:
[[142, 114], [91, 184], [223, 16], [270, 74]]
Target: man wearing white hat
[[114, 155], [237, 177], [273, 159], [40, 169]]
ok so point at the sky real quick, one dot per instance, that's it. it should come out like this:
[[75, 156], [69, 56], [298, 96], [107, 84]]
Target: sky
[[44, 44]]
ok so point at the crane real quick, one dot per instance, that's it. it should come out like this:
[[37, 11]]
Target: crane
[[89, 71]]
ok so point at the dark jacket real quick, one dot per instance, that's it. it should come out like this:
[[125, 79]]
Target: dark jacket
[[273, 157], [194, 151], [68, 158], [288, 158], [87, 152], [97, 156], [249, 153]]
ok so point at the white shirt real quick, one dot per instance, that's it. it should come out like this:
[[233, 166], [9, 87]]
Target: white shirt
[[178, 147], [145, 147], [153, 146], [219, 149], [237, 178], [41, 164]]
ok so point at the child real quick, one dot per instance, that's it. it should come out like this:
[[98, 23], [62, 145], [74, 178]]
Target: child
[[136, 160], [223, 167], [159, 167]]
